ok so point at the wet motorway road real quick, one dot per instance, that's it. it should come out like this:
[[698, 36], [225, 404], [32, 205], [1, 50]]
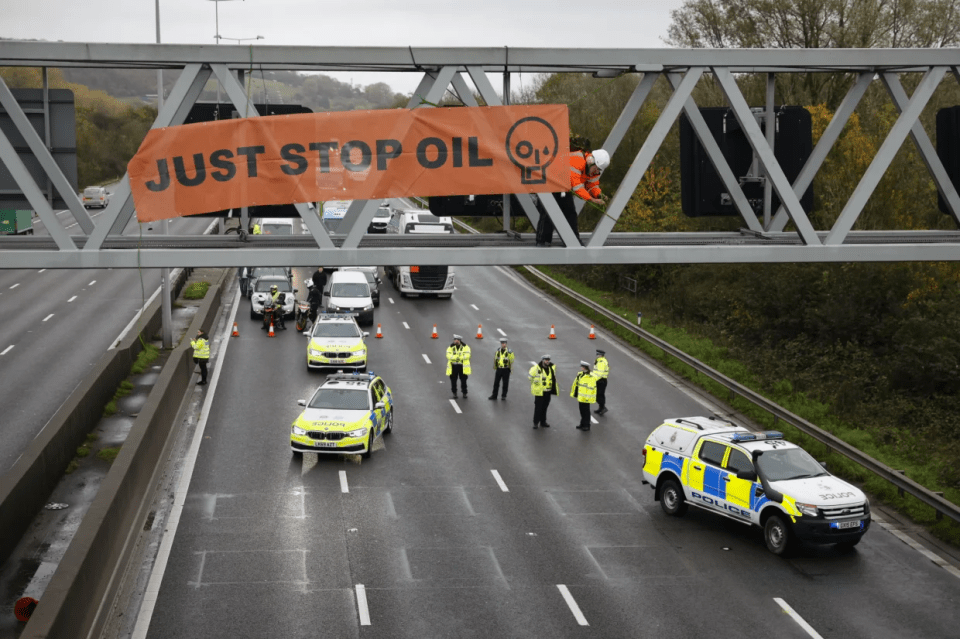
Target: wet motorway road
[[466, 522]]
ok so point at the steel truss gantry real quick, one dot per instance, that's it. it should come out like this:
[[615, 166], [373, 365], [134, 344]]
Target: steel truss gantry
[[444, 69]]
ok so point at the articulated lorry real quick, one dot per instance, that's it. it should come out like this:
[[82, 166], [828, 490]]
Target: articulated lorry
[[16, 222]]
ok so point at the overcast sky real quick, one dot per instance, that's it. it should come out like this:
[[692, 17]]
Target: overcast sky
[[442, 23]]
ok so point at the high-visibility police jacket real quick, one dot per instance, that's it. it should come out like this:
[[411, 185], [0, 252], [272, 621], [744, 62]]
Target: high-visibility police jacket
[[581, 184], [201, 348], [503, 358], [541, 380], [256, 229], [601, 368], [584, 388], [458, 355]]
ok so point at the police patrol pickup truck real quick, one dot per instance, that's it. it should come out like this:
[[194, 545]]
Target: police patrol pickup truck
[[754, 478]]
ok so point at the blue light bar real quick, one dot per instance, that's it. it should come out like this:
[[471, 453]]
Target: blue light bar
[[751, 437]]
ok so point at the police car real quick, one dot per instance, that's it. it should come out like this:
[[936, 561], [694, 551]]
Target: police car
[[345, 415], [757, 479], [336, 340]]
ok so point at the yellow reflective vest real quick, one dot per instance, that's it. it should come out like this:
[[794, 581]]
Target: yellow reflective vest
[[601, 368], [256, 229], [458, 355], [503, 359], [201, 348], [584, 388], [541, 380]]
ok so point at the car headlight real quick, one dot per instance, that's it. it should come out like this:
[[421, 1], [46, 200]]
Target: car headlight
[[315, 352], [360, 432], [808, 509], [361, 353], [449, 282], [368, 307], [405, 279], [298, 431], [333, 307]]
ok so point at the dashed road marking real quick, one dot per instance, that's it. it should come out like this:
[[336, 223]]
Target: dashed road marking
[[452, 401], [475, 307], [501, 332], [406, 326], [426, 359], [15, 286], [362, 605], [572, 603], [503, 486], [593, 420], [41, 270], [7, 350], [344, 487], [391, 299], [72, 298], [800, 621], [47, 317], [92, 282]]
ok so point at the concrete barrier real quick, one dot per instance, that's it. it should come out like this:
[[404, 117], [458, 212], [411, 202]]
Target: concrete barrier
[[25, 488], [75, 602]]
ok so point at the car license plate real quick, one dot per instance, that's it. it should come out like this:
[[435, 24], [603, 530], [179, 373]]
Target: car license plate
[[337, 361], [325, 444], [848, 524]]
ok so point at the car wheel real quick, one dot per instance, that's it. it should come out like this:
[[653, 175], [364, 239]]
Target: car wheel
[[777, 536], [369, 452], [389, 427], [671, 498]]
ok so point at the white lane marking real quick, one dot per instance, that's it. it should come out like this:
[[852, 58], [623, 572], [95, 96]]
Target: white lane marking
[[593, 420], [174, 274], [92, 282], [47, 317], [503, 486], [475, 307], [391, 299], [15, 286], [152, 591], [362, 605], [72, 298], [501, 332], [426, 359], [406, 326], [574, 608], [899, 534], [7, 350], [803, 624], [344, 487], [41, 270], [452, 401]]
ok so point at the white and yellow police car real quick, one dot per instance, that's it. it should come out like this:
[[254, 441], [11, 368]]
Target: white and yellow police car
[[347, 414], [757, 479], [336, 341]]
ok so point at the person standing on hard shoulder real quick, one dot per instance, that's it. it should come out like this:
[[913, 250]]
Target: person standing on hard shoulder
[[585, 390], [502, 365], [543, 384], [601, 369], [458, 364], [201, 354]]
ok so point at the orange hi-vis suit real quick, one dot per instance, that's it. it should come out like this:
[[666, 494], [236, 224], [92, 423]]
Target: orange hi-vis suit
[[581, 184]]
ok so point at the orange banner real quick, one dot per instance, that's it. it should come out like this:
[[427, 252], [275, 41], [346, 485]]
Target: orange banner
[[353, 155]]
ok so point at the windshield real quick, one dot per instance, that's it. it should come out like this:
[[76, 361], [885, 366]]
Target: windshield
[[263, 286], [350, 289], [259, 271], [277, 229], [791, 463], [338, 329], [92, 191], [382, 213], [340, 399]]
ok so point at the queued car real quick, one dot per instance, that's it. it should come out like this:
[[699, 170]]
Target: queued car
[[347, 414], [95, 196], [372, 273], [348, 292], [261, 291], [336, 341], [248, 280], [380, 220]]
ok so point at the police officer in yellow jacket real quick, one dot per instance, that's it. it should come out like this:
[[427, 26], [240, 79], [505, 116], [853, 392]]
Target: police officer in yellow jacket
[[601, 369], [458, 364], [543, 384], [585, 390], [201, 354], [502, 365]]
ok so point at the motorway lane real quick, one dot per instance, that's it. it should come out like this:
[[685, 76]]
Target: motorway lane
[[45, 357]]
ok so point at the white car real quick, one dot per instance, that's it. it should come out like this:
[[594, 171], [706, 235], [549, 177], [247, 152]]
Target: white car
[[348, 292], [261, 291], [336, 341]]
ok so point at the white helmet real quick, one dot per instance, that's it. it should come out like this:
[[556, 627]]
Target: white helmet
[[602, 159]]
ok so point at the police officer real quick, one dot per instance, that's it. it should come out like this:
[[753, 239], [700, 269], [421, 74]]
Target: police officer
[[601, 369], [256, 229], [201, 354], [458, 364], [502, 365], [278, 301], [585, 390], [543, 384]]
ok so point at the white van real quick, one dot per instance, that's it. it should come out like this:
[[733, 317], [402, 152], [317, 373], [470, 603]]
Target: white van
[[277, 226], [95, 196], [348, 292], [421, 280]]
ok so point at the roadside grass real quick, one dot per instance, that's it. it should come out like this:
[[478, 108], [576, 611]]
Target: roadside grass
[[780, 392], [146, 357], [123, 390], [196, 291], [109, 454]]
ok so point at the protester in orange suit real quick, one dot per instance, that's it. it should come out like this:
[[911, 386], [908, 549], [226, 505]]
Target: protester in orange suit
[[585, 170]]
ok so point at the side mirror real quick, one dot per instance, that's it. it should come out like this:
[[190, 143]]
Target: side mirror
[[824, 464], [326, 293], [749, 475], [302, 402], [366, 333], [380, 405], [296, 290]]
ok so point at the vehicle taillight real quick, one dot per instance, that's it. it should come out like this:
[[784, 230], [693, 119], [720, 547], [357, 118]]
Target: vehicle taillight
[[644, 456]]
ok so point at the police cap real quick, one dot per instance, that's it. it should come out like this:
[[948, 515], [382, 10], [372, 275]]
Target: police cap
[[583, 363], [600, 352]]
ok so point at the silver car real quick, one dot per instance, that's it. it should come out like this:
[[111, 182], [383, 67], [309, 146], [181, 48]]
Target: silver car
[[261, 291]]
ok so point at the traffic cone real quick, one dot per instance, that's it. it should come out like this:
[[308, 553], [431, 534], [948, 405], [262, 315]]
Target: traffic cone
[[592, 334], [553, 333], [270, 334], [236, 333], [379, 334], [479, 331], [434, 333]]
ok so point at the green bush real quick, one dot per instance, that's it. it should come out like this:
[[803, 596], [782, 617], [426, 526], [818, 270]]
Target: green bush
[[196, 291]]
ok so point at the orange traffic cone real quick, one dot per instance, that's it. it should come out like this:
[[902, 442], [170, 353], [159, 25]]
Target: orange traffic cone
[[236, 333], [592, 334], [379, 333], [270, 334], [479, 331], [553, 333], [434, 333]]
